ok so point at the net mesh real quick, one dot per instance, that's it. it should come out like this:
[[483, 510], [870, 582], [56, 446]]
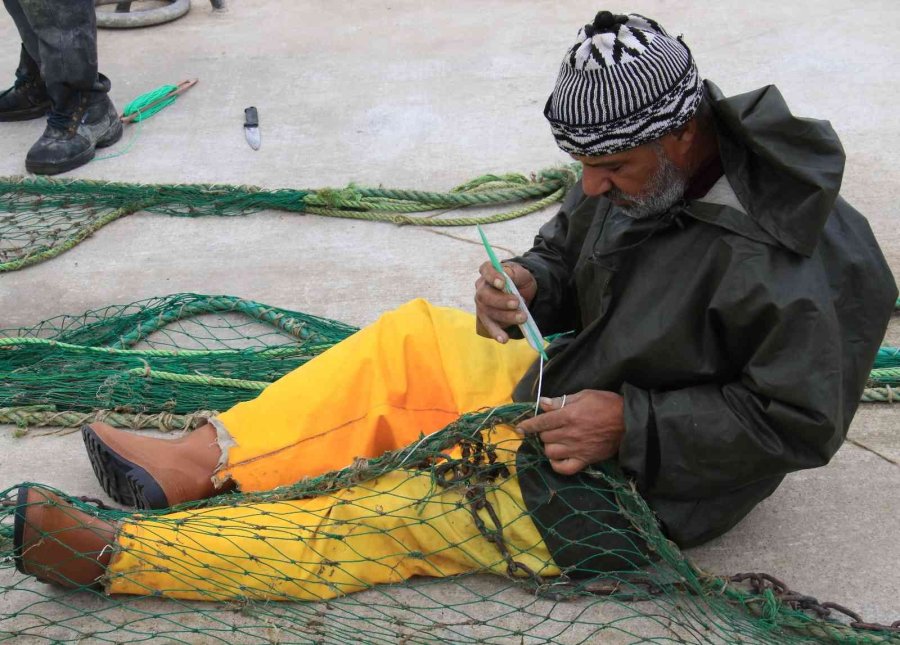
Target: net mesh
[[173, 357], [41, 218]]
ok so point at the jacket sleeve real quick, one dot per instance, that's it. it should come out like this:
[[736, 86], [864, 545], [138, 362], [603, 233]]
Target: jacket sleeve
[[786, 408], [552, 263]]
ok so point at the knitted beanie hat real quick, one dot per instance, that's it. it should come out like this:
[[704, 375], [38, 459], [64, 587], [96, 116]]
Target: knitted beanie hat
[[624, 83]]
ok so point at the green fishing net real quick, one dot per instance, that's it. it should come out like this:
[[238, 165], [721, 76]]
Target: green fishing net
[[166, 362], [41, 218]]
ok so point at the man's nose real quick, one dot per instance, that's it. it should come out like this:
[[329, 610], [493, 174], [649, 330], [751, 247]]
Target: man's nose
[[595, 181]]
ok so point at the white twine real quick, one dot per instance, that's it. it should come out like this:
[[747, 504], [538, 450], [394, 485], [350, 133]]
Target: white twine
[[537, 403]]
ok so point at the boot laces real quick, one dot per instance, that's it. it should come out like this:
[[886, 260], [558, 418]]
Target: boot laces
[[21, 79], [59, 120]]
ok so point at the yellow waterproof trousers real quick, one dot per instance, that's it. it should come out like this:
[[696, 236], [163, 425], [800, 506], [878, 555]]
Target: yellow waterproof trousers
[[414, 371]]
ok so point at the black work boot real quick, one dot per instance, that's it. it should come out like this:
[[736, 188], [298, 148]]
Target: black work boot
[[86, 121], [28, 98]]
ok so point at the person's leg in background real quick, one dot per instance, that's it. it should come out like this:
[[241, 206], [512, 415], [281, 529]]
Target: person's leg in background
[[60, 37], [27, 98]]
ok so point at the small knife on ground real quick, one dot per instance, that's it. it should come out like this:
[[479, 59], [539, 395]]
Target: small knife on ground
[[251, 127]]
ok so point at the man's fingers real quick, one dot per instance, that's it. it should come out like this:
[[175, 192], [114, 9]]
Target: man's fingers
[[548, 404], [502, 310], [488, 296], [491, 276], [568, 466], [557, 435], [517, 274], [556, 451], [495, 309], [501, 317], [542, 423], [486, 327]]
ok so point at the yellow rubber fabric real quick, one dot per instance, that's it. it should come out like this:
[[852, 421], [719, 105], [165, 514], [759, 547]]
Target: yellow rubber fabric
[[380, 531], [413, 371]]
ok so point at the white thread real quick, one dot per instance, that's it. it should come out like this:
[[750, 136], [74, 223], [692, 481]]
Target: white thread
[[413, 449], [419, 442], [105, 549], [540, 383], [563, 402]]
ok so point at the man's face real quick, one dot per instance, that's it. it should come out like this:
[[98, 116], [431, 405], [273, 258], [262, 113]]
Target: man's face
[[642, 181]]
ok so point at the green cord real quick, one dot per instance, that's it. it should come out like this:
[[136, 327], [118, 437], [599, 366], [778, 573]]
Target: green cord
[[127, 148], [138, 105]]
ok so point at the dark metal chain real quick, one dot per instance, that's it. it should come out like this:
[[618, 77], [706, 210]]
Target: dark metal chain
[[478, 467], [96, 502], [473, 472], [760, 582]]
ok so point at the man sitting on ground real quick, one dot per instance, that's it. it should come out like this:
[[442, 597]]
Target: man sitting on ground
[[720, 307]]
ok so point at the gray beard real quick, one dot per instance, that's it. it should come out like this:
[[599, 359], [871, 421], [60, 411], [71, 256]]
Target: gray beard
[[665, 188]]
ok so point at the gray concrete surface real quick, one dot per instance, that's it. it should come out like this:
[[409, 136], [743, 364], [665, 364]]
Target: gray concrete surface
[[428, 95]]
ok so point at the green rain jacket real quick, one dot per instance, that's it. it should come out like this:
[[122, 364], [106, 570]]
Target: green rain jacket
[[740, 336]]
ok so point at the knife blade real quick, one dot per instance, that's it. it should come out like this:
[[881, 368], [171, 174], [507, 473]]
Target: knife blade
[[251, 127]]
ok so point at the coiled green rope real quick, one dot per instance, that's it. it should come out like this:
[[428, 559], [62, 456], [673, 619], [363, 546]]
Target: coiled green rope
[[143, 106]]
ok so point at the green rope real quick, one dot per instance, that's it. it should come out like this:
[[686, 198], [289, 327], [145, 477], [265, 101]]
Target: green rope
[[42, 217], [277, 318], [886, 394], [139, 105], [213, 381], [185, 353], [46, 416], [885, 375], [142, 107], [405, 220]]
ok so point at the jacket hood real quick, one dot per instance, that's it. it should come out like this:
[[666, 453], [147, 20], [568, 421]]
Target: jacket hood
[[785, 170]]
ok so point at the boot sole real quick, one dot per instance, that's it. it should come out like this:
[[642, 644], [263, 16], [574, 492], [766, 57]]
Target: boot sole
[[55, 169], [109, 137], [29, 114], [126, 482]]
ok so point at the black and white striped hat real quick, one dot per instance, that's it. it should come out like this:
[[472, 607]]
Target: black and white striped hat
[[624, 83]]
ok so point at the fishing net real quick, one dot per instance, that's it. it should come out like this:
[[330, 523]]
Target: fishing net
[[154, 363], [163, 362], [41, 218]]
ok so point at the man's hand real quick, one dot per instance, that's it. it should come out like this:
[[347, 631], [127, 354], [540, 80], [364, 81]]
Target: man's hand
[[586, 430], [497, 309]]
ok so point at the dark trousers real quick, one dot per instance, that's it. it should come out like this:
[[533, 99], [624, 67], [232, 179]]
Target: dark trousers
[[59, 41]]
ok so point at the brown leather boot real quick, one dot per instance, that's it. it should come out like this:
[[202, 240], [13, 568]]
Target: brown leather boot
[[55, 542], [147, 472]]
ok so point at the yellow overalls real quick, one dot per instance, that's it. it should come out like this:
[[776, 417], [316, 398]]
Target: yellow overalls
[[415, 370]]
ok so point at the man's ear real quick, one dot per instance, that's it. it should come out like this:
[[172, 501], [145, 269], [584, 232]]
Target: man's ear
[[679, 142]]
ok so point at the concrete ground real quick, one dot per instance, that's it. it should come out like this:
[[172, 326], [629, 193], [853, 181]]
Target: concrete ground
[[428, 95]]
